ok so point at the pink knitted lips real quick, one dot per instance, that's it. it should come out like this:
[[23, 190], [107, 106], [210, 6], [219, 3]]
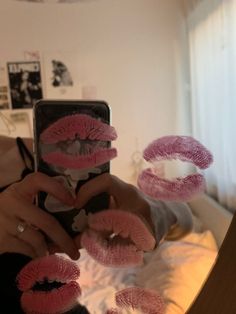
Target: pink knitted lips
[[184, 148], [145, 300], [78, 125], [91, 136], [94, 159], [179, 189], [117, 238], [50, 268]]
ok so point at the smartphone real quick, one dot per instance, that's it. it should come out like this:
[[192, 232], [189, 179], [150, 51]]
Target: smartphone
[[72, 142]]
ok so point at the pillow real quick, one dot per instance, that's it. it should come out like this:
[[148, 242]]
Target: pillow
[[178, 269]]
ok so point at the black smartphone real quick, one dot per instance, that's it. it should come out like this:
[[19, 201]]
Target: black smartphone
[[72, 142]]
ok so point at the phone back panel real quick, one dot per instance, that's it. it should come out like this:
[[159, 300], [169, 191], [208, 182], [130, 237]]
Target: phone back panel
[[64, 138]]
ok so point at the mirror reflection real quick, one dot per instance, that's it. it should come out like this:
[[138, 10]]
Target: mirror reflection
[[167, 70]]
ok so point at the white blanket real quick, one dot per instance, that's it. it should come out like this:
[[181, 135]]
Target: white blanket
[[176, 270]]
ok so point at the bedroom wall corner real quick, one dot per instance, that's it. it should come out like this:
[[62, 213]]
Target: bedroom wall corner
[[129, 50]]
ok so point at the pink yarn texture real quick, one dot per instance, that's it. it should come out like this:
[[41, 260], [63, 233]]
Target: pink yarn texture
[[184, 148]]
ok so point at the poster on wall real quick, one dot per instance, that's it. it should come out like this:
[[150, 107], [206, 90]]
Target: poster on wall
[[24, 83], [61, 75]]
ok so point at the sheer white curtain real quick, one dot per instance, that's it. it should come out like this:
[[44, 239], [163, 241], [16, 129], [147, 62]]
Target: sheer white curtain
[[212, 40]]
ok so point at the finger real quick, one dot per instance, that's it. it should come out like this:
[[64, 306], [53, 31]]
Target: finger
[[112, 202], [14, 245], [31, 236], [52, 249], [102, 183], [123, 195], [35, 239], [47, 224], [35, 182], [77, 240]]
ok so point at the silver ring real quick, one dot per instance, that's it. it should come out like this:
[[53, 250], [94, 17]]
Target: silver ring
[[21, 227]]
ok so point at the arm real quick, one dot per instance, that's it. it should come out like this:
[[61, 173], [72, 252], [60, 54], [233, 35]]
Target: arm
[[11, 264], [166, 220], [172, 220]]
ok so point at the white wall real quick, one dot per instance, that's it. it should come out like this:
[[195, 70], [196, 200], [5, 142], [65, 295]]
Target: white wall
[[131, 50]]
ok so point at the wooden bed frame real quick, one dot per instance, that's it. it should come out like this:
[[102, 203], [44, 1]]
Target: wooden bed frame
[[212, 215], [218, 295]]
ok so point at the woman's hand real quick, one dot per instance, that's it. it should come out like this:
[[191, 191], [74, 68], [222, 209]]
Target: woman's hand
[[123, 196], [23, 225]]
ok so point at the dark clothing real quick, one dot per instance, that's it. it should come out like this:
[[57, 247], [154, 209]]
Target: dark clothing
[[27, 158], [11, 264]]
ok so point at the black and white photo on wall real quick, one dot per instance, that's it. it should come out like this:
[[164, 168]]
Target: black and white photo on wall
[[61, 75], [24, 83]]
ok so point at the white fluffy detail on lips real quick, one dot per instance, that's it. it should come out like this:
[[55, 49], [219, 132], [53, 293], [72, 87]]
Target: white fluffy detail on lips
[[80, 221]]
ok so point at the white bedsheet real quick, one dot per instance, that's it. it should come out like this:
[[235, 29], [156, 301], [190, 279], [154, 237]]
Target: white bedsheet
[[99, 283], [175, 269]]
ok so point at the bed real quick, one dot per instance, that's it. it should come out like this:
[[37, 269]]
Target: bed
[[177, 269]]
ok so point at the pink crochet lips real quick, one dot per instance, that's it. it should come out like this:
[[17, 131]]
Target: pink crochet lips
[[117, 238], [184, 148], [85, 138], [48, 285], [147, 301]]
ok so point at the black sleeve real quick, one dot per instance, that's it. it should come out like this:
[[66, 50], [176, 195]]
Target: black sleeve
[[10, 265], [27, 159], [26, 156]]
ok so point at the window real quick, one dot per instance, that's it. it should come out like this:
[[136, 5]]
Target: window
[[212, 44]]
